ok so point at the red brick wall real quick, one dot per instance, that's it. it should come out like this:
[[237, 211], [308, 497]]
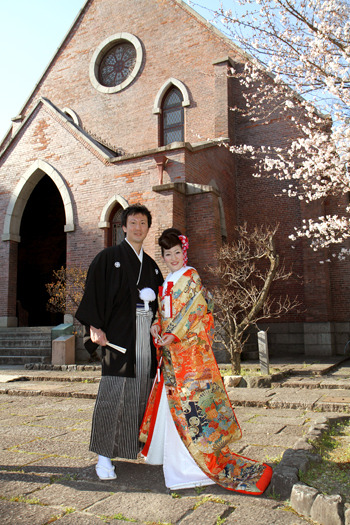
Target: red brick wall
[[203, 230], [176, 45]]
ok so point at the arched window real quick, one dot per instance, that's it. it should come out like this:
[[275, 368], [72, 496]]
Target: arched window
[[172, 117], [115, 233]]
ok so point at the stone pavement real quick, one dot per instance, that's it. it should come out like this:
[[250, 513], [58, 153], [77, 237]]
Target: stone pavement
[[47, 472]]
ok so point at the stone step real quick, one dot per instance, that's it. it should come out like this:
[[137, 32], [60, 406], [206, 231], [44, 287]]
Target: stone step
[[24, 359], [30, 347], [313, 383], [25, 329], [24, 335], [27, 351], [24, 345]]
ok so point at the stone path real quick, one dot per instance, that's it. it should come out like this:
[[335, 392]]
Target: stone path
[[47, 473]]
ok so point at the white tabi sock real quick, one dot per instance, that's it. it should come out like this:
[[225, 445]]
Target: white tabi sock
[[105, 462]]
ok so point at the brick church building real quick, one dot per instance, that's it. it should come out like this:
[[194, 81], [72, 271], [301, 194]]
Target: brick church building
[[133, 108]]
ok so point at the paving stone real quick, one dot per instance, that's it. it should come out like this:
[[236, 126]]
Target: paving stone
[[238, 446], [335, 398], [259, 513], [210, 491], [131, 474], [335, 383], [140, 474], [82, 518], [15, 484], [23, 433], [53, 464], [13, 512], [63, 423], [207, 513], [245, 414], [250, 396], [145, 507], [80, 435], [50, 388], [69, 424], [54, 447], [276, 440], [300, 382], [294, 399], [266, 427], [78, 495], [265, 454], [12, 459]]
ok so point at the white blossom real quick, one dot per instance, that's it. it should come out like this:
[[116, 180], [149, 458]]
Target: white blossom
[[303, 49]]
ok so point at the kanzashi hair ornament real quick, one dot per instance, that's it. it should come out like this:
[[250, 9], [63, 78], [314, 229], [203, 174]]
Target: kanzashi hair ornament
[[184, 244]]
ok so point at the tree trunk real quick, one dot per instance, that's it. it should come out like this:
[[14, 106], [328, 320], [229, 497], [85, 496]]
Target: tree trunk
[[236, 362]]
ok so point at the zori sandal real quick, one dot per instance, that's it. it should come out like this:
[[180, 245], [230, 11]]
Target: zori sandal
[[105, 473]]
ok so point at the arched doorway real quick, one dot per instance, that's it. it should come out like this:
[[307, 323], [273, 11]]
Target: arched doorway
[[41, 250]]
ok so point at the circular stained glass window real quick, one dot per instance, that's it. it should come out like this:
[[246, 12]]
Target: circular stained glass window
[[117, 64]]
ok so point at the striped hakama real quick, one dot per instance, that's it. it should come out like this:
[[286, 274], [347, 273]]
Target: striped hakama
[[121, 401]]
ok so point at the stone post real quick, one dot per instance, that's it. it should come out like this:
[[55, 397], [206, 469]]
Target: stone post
[[263, 353]]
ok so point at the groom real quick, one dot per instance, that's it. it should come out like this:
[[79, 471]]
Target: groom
[[109, 309]]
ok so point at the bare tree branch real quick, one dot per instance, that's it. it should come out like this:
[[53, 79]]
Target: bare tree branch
[[245, 271]]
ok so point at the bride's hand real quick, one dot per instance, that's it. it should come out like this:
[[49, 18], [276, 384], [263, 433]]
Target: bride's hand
[[155, 331], [168, 339]]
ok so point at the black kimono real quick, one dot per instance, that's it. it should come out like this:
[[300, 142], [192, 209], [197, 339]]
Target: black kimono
[[110, 303], [110, 300]]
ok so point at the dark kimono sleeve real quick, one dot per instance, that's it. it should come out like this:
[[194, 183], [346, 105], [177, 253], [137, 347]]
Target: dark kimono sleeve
[[92, 310]]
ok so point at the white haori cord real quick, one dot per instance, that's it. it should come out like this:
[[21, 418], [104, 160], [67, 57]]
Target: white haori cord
[[147, 295]]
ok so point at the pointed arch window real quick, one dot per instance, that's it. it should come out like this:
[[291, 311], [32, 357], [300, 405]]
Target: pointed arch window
[[115, 233], [172, 117]]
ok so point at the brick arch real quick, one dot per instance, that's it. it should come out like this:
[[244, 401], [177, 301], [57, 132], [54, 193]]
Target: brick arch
[[106, 212], [21, 194], [157, 108], [73, 115]]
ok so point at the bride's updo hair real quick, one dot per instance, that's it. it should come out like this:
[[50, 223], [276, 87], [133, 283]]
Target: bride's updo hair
[[169, 239]]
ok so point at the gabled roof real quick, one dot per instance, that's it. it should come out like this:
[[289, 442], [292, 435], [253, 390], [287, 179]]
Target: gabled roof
[[210, 27], [95, 144], [105, 154]]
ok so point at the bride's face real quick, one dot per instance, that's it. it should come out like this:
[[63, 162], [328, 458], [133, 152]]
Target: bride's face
[[174, 258]]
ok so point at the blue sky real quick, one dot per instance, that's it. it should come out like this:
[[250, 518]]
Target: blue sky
[[30, 33]]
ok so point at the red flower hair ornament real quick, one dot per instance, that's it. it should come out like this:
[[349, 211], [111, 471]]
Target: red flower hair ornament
[[184, 245]]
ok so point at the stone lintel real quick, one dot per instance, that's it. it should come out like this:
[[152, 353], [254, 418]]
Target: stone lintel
[[186, 188]]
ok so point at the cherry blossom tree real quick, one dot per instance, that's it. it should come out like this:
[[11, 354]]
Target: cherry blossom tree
[[298, 54]]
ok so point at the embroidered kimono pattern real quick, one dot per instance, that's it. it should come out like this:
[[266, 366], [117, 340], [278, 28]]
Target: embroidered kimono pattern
[[198, 402]]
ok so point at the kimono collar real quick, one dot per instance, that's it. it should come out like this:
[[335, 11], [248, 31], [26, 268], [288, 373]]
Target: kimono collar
[[174, 277], [138, 255]]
